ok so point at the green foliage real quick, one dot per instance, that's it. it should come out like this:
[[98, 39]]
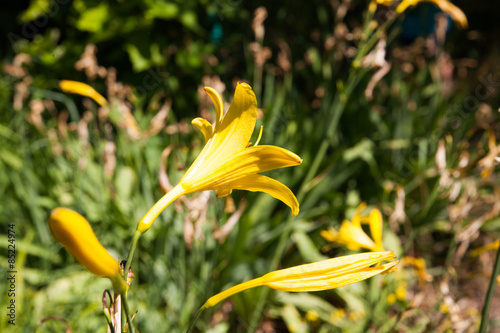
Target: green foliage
[[354, 149]]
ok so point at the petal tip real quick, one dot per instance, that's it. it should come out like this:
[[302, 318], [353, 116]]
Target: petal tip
[[244, 85]]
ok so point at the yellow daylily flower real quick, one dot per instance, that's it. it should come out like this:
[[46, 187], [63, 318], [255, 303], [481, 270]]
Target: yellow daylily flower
[[456, 13], [322, 275], [80, 88], [226, 162], [353, 236], [74, 232]]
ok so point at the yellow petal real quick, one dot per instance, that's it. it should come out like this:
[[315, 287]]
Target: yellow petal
[[218, 104], [259, 183], [456, 13], [376, 228], [239, 122], [322, 275], [204, 126], [354, 237], [492, 246], [248, 161], [356, 219], [83, 89], [404, 5], [330, 234], [223, 192]]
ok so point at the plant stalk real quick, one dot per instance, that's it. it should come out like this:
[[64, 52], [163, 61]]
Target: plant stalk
[[489, 294]]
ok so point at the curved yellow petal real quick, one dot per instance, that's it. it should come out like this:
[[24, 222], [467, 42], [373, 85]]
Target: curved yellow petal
[[204, 126], [259, 183], [239, 122], [376, 228], [83, 89], [218, 104], [356, 219], [456, 13], [248, 161]]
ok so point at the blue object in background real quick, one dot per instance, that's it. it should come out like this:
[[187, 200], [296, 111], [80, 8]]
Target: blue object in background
[[420, 21], [216, 30]]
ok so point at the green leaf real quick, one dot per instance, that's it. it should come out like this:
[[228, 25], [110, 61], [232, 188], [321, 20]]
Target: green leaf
[[93, 19]]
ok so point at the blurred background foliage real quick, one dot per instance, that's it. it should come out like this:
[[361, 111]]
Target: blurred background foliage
[[419, 143]]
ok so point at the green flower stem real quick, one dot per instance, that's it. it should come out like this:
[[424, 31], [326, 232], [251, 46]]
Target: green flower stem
[[489, 295], [127, 313], [200, 310], [135, 239]]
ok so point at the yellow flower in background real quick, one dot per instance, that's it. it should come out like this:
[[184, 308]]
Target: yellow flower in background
[[420, 268], [74, 232], [226, 162], [322, 275], [456, 13], [391, 299], [352, 235], [492, 246], [83, 89]]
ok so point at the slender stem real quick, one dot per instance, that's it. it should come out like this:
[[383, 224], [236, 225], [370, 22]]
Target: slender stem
[[135, 239], [127, 313], [200, 310], [106, 309], [489, 294]]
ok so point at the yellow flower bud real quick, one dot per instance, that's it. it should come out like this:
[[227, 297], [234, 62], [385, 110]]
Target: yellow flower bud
[[74, 232], [80, 88]]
